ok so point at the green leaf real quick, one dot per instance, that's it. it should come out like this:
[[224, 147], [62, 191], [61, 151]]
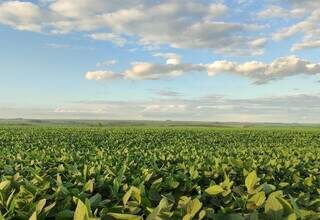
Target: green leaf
[[202, 214], [33, 216], [214, 190], [4, 185], [126, 196], [295, 207], [194, 207], [40, 205], [251, 181], [154, 214], [81, 212], [268, 188], [88, 187], [227, 217], [254, 216], [308, 181], [291, 217], [49, 207], [136, 194], [124, 216], [66, 214], [273, 208], [95, 200], [256, 200]]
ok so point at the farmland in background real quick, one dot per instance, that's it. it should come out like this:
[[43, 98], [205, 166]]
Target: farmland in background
[[152, 170]]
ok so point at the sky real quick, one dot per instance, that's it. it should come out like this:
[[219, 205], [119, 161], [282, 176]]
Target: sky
[[196, 60]]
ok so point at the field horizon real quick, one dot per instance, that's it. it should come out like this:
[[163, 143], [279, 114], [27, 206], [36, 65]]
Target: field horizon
[[150, 123]]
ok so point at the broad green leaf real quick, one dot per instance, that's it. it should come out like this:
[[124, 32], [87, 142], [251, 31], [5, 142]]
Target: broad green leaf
[[251, 181], [256, 200], [81, 212], [124, 216], [214, 190], [136, 193], [273, 208], [154, 214], [194, 207]]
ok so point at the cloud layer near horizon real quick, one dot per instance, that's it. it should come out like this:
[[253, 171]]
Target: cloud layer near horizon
[[303, 108]]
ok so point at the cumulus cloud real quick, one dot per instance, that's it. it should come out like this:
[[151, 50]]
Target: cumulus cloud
[[258, 71], [171, 58], [177, 23], [150, 71], [263, 72], [24, 16], [101, 75]]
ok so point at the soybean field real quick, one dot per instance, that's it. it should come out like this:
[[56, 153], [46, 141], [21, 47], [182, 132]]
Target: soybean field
[[84, 173]]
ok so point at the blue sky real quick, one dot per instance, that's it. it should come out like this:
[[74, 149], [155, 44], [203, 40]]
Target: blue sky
[[220, 60]]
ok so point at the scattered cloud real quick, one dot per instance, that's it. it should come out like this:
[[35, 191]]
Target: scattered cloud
[[114, 38], [275, 11], [258, 71], [308, 26], [306, 44]]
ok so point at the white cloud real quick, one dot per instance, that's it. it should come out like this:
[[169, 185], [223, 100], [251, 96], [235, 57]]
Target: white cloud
[[263, 72], [24, 16], [149, 71], [306, 44], [258, 71], [164, 108], [177, 23], [171, 58], [116, 39], [101, 75], [275, 11], [309, 27]]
